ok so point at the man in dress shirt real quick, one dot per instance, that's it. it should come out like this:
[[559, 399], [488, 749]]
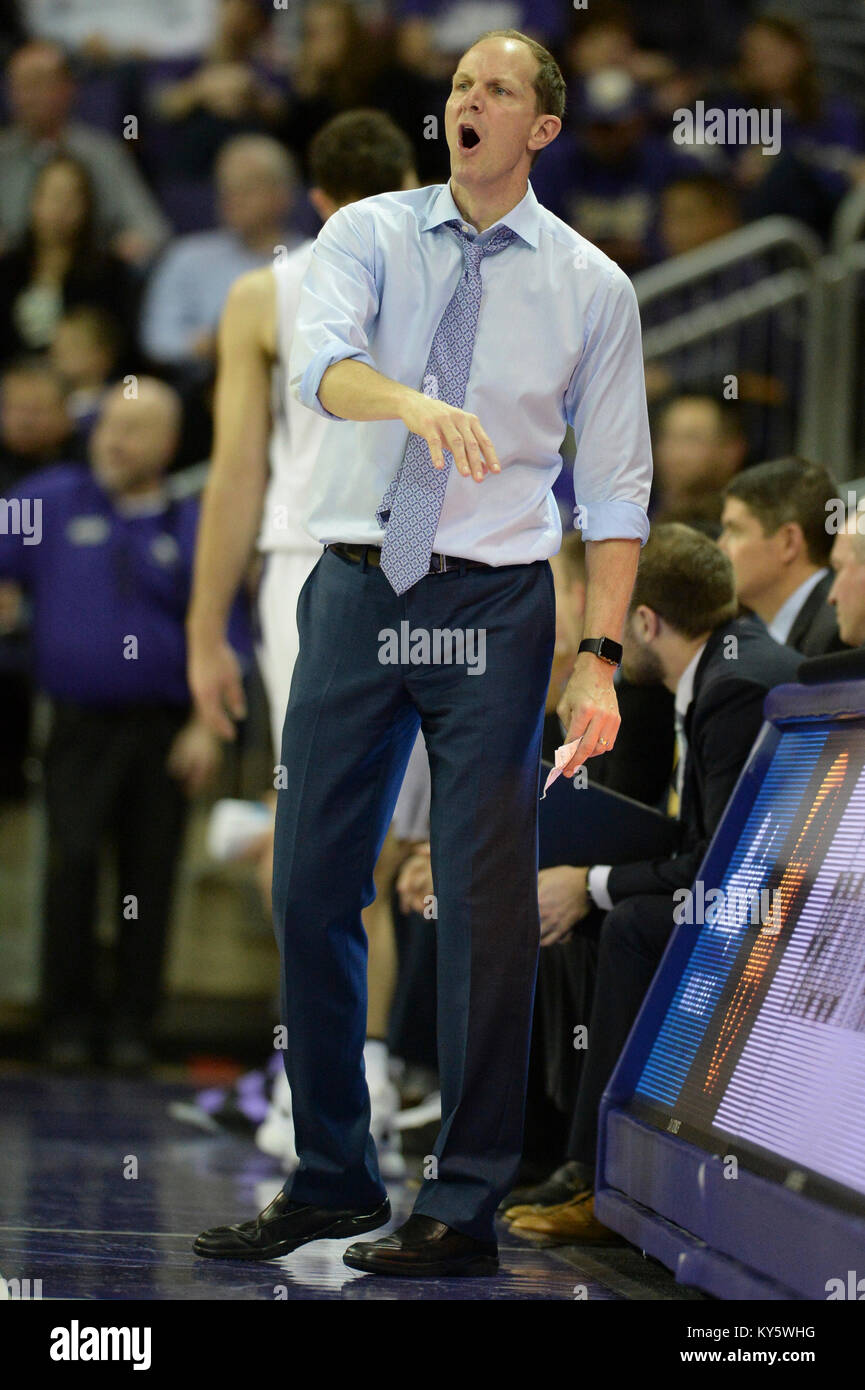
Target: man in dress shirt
[[774, 531], [556, 340]]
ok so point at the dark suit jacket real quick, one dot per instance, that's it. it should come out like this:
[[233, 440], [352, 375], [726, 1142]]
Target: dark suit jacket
[[722, 722], [815, 627]]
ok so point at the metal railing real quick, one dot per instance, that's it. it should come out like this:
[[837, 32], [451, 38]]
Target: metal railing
[[767, 305], [844, 415]]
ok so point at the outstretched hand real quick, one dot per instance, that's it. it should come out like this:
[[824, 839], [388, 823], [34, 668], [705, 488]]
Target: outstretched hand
[[445, 426]]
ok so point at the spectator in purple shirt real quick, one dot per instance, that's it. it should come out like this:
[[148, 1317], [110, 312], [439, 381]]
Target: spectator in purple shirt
[[104, 556]]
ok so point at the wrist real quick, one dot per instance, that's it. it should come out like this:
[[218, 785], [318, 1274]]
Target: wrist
[[205, 629], [586, 661], [406, 400], [606, 649]]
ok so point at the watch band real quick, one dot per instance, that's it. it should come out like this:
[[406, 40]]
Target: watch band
[[604, 648]]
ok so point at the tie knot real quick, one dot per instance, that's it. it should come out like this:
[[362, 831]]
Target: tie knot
[[475, 249]]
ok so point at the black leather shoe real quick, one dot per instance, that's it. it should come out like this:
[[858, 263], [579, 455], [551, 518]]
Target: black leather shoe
[[283, 1226], [424, 1249]]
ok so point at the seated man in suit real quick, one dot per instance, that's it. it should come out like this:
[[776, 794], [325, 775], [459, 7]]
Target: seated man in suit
[[681, 632], [774, 531], [638, 767]]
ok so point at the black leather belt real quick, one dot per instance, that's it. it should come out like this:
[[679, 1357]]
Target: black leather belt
[[439, 564]]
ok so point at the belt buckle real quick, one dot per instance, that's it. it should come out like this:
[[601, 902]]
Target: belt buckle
[[443, 564]]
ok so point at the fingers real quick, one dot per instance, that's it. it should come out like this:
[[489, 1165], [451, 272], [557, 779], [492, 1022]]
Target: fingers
[[553, 932], [576, 723], [217, 689], [486, 445], [435, 447], [235, 700], [463, 436], [213, 714], [598, 737]]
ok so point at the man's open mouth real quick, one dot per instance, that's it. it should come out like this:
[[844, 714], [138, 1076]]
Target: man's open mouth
[[468, 137]]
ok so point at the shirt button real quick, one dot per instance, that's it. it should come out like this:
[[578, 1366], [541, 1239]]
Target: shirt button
[[465, 228]]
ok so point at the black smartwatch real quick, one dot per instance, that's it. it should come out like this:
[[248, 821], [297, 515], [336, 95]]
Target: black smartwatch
[[603, 647]]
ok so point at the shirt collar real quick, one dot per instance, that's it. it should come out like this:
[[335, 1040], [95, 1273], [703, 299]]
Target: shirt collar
[[782, 623], [524, 219], [685, 683]]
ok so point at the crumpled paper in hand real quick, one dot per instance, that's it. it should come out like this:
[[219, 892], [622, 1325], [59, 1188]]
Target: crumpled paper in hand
[[562, 758]]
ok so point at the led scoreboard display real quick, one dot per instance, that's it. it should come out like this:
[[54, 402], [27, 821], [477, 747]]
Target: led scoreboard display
[[751, 1042], [764, 1042]]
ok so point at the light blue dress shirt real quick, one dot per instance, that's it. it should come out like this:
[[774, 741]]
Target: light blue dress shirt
[[558, 342]]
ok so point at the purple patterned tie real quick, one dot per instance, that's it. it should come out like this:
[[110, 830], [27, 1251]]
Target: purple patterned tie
[[412, 504]]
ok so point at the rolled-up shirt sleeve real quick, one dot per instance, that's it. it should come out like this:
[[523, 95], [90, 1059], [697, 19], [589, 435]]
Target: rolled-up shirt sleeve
[[605, 404], [339, 301]]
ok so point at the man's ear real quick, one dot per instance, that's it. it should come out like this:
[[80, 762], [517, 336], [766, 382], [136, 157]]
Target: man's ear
[[646, 623], [545, 133], [793, 539], [322, 202]]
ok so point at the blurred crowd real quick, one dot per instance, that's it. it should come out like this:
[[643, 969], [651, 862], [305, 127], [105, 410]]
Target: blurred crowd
[[152, 154]]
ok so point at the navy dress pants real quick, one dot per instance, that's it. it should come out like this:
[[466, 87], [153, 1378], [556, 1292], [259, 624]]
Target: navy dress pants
[[362, 686]]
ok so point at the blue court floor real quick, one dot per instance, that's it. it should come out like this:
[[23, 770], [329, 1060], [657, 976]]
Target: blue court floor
[[102, 1192]]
